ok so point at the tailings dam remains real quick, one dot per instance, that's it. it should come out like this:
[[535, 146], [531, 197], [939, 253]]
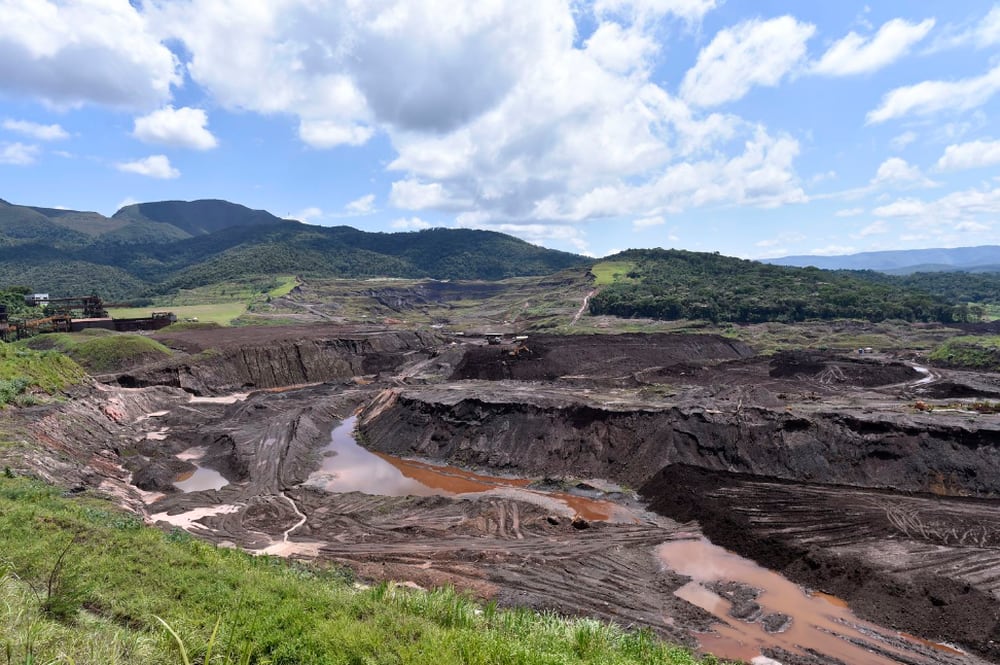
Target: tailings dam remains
[[506, 469]]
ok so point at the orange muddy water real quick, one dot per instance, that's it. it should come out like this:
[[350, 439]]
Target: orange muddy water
[[348, 467], [820, 622]]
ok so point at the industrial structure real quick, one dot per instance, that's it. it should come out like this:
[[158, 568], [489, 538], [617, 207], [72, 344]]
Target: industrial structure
[[73, 314]]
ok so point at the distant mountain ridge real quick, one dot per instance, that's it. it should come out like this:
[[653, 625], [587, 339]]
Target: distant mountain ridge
[[161, 246], [984, 258]]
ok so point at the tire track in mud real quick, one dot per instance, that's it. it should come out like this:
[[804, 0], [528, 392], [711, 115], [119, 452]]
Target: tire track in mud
[[898, 559]]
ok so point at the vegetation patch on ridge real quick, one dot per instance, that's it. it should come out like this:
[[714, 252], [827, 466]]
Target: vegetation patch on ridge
[[100, 350], [677, 284]]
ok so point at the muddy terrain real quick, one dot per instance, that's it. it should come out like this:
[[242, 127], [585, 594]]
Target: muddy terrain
[[582, 474]]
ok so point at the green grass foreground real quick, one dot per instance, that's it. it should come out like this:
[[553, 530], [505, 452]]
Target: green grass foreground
[[83, 583]]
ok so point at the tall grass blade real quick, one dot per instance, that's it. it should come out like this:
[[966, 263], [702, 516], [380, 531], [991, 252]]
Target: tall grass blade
[[180, 642]]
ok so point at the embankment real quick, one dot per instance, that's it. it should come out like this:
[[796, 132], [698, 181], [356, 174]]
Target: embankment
[[533, 431]]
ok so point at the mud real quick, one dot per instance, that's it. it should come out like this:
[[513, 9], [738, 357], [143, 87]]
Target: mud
[[511, 467], [921, 563]]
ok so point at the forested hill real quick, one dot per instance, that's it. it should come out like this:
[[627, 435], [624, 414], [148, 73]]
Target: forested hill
[[676, 284], [151, 248]]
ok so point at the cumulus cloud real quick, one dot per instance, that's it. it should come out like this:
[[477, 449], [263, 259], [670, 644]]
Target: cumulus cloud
[[618, 49], [980, 33], [971, 155], [362, 206], [689, 10], [331, 133], [18, 154], [931, 97], [309, 215], [902, 140], [648, 222], [875, 228], [180, 128], [154, 166], [35, 130], [752, 53], [895, 171], [964, 211], [500, 113], [855, 54], [69, 53], [410, 224]]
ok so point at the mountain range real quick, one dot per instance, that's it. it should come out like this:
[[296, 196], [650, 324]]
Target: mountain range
[[985, 258], [151, 248]]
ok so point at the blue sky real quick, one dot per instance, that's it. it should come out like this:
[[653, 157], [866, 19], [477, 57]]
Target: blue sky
[[754, 129]]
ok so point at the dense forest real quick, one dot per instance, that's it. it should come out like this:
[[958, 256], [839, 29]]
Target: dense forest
[[677, 284]]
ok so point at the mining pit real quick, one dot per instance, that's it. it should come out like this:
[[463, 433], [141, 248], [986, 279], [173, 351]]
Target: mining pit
[[793, 508]]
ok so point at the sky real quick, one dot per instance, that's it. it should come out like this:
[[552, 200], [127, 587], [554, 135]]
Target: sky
[[752, 128]]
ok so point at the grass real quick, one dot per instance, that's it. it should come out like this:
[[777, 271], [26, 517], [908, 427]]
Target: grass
[[609, 272], [120, 579], [25, 372], [969, 351], [100, 350], [222, 313], [220, 303]]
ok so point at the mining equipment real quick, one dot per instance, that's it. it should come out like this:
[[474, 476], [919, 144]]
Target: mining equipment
[[74, 314]]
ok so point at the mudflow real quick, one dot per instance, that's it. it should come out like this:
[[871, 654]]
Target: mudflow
[[591, 475]]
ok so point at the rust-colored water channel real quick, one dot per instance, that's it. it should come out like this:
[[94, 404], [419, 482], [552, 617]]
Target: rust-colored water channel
[[348, 467], [820, 623]]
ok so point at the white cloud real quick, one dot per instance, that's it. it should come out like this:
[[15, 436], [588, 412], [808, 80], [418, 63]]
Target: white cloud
[[981, 33], [412, 194], [752, 53], [875, 228], [689, 10], [931, 97], [779, 243], [124, 203], [71, 53], [538, 234], [35, 130], [331, 133], [850, 212], [309, 215], [964, 211], [972, 227], [902, 140], [362, 206], [855, 54], [620, 50], [18, 154], [499, 113], [971, 155], [180, 128], [833, 250], [648, 222], [897, 171], [410, 224], [154, 166]]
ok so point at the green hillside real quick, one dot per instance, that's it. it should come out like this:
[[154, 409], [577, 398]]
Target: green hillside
[[149, 249], [676, 284]]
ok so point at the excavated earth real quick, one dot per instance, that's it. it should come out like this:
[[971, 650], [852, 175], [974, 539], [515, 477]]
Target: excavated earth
[[814, 464]]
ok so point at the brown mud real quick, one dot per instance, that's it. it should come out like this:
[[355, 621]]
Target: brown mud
[[503, 470]]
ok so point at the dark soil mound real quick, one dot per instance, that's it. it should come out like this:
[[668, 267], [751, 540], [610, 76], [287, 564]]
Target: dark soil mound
[[834, 368], [549, 357]]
